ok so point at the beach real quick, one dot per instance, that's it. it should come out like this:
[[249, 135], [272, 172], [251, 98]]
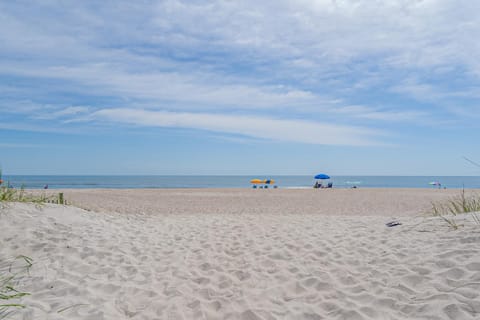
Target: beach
[[243, 254], [368, 201]]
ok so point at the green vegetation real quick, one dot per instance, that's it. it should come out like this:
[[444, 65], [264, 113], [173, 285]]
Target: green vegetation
[[9, 194], [461, 204], [13, 270], [19, 195], [10, 273]]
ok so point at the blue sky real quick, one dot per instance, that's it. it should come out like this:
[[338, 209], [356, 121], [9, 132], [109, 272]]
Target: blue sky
[[240, 87]]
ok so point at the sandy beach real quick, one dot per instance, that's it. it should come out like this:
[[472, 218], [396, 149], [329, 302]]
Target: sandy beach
[[381, 202], [243, 254]]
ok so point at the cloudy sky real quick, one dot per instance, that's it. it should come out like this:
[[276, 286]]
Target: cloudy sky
[[347, 87]]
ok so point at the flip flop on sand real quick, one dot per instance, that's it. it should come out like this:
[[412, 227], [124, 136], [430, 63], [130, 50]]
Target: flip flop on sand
[[393, 224]]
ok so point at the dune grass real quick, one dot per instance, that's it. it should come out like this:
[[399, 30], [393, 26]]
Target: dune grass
[[461, 204], [10, 274], [8, 194], [19, 195]]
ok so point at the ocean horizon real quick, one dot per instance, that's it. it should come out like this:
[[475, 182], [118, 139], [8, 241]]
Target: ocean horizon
[[230, 181]]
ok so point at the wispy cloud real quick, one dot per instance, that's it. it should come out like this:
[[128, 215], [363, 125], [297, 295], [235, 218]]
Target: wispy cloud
[[256, 127], [364, 112], [350, 67]]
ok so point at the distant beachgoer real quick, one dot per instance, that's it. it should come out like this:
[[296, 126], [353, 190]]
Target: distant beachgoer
[[317, 185], [45, 187]]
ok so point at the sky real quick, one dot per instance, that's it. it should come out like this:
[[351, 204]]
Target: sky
[[346, 87]]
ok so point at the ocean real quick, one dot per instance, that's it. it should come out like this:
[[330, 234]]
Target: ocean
[[124, 182]]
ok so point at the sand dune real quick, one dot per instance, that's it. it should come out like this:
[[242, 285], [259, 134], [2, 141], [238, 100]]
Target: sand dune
[[107, 265]]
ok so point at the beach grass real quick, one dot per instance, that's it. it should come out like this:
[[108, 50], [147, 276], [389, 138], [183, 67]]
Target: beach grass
[[19, 195], [10, 273], [459, 205]]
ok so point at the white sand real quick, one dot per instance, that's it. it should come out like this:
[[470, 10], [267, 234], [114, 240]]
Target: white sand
[[211, 257], [384, 202]]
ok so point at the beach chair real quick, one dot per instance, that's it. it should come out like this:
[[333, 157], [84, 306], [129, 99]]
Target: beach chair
[[329, 185]]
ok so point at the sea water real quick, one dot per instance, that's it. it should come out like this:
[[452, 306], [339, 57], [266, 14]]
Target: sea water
[[214, 181]]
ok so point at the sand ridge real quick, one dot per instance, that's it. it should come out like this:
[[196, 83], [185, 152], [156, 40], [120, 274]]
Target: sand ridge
[[245, 266]]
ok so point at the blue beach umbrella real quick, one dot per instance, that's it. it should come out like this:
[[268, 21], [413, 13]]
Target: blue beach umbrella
[[322, 176]]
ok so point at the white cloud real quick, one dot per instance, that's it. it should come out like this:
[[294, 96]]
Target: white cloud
[[421, 91], [384, 115], [72, 111], [401, 33], [281, 58], [183, 90], [22, 107], [257, 127]]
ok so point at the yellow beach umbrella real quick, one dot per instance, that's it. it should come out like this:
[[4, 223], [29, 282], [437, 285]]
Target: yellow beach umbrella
[[257, 181]]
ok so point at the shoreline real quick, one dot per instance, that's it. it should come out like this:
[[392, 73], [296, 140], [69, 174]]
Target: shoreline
[[240, 181], [250, 188]]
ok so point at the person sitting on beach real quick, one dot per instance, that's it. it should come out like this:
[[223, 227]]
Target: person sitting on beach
[[317, 185]]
